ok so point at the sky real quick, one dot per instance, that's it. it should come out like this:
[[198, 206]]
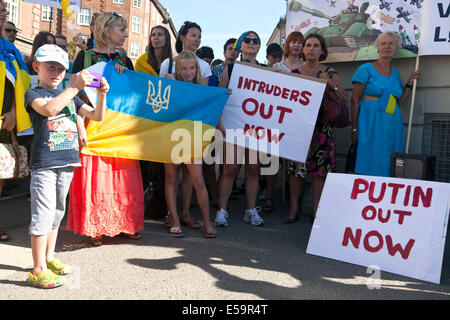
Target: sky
[[224, 19]]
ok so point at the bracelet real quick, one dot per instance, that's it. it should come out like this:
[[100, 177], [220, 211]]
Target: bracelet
[[408, 86]]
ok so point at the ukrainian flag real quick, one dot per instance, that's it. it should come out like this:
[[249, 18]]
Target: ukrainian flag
[[13, 68], [155, 119]]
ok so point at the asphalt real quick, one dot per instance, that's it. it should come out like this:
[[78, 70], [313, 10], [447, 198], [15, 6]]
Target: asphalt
[[243, 263]]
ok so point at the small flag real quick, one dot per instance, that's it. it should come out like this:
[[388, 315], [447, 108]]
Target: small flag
[[390, 108], [65, 5]]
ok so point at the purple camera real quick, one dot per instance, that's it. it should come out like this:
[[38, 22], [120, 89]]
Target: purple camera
[[97, 79]]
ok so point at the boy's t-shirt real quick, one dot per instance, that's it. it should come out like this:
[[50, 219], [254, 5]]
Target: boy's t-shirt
[[55, 141]]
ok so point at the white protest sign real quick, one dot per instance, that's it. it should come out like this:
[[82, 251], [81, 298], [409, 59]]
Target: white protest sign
[[74, 4], [396, 224], [272, 112], [435, 28]]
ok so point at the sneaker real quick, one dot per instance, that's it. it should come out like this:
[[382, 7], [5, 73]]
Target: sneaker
[[251, 216], [57, 267], [221, 218], [46, 280]]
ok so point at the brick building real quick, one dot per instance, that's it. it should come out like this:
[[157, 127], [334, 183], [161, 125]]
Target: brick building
[[141, 15]]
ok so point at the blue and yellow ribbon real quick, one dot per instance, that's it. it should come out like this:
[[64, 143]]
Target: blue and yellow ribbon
[[13, 68]]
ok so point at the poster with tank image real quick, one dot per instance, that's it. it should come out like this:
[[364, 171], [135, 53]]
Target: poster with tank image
[[351, 26]]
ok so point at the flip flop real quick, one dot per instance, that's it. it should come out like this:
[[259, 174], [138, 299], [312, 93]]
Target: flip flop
[[135, 236], [209, 233], [176, 232]]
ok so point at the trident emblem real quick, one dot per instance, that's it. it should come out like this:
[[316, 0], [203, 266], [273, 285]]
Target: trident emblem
[[155, 100]]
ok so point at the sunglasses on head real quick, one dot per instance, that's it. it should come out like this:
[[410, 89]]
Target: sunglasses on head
[[255, 40]]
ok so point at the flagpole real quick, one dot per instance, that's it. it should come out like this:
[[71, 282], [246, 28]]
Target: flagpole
[[412, 107]]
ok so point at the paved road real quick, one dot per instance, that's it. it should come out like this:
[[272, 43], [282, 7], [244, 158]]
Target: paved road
[[243, 262]]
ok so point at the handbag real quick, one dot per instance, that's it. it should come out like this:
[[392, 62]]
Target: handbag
[[13, 160], [333, 109]]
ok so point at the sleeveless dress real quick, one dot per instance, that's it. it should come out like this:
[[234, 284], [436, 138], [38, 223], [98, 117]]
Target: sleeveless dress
[[322, 151], [379, 133], [106, 195]]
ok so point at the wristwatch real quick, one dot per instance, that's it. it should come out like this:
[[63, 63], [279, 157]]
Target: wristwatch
[[407, 85]]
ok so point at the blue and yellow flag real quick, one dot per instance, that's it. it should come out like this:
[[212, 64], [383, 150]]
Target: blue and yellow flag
[[155, 119], [65, 6], [13, 68]]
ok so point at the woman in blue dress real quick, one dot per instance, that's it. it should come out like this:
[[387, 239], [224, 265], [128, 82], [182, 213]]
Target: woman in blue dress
[[377, 124]]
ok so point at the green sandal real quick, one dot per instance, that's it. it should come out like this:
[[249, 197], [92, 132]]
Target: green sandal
[[45, 280], [59, 268]]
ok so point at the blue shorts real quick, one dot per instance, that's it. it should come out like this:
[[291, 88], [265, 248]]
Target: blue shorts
[[48, 190]]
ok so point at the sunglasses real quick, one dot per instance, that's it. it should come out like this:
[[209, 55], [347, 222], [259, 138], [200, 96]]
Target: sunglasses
[[11, 30], [254, 40]]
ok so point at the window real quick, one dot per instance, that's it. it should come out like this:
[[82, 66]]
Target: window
[[134, 49], [136, 24], [119, 1], [84, 17], [137, 3], [46, 13], [13, 7]]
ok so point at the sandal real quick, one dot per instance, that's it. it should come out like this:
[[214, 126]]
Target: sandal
[[59, 268], [46, 280], [97, 241], [190, 222], [176, 232], [209, 233], [135, 236], [268, 205], [4, 236]]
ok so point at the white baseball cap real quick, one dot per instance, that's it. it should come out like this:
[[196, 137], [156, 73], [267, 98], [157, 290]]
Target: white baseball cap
[[52, 53]]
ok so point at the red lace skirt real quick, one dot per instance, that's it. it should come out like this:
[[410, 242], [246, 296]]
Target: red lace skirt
[[106, 197]]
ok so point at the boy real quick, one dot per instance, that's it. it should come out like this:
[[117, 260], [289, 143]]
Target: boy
[[54, 154]]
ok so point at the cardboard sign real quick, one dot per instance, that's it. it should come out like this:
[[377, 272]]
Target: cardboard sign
[[272, 112], [396, 224]]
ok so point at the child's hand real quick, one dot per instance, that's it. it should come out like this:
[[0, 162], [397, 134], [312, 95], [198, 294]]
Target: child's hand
[[167, 76], [104, 87], [81, 80], [120, 69]]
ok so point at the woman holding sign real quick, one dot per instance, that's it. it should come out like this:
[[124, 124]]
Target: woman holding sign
[[248, 44], [322, 151], [376, 118]]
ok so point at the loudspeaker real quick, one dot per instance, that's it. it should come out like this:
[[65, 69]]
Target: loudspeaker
[[413, 166]]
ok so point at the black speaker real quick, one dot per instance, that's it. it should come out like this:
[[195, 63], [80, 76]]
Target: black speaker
[[413, 166]]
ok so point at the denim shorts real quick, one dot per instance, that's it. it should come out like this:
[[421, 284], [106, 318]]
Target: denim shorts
[[48, 190]]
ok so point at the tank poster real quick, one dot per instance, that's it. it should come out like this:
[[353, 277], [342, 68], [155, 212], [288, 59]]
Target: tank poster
[[351, 26]]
